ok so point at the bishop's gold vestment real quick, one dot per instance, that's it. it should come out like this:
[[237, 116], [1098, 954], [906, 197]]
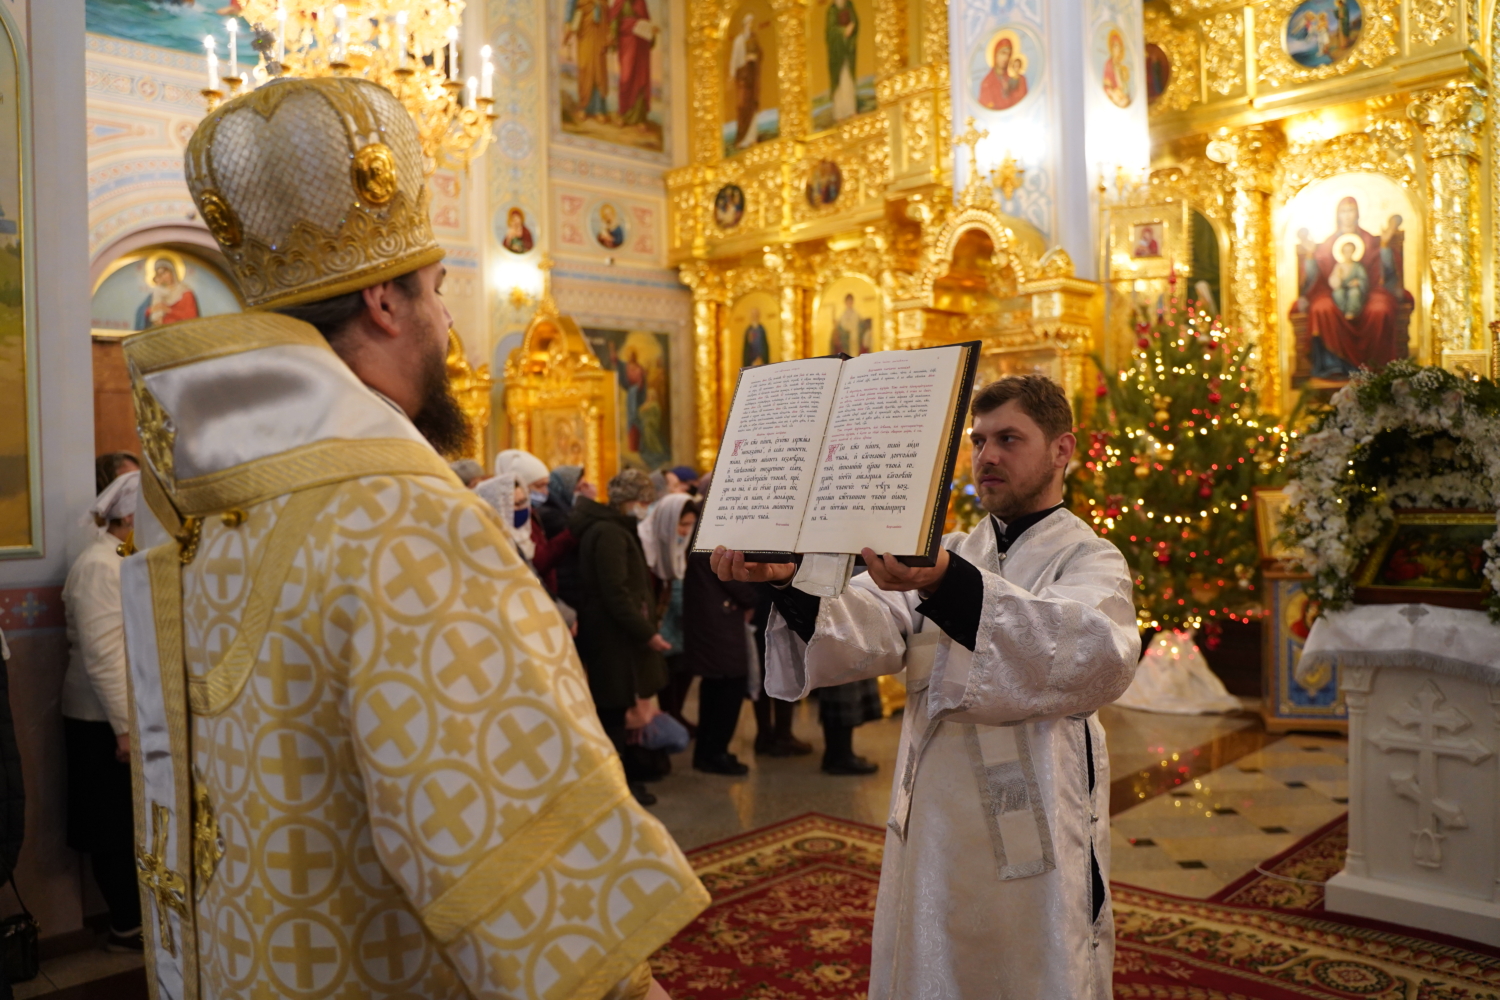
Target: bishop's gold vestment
[[367, 763]]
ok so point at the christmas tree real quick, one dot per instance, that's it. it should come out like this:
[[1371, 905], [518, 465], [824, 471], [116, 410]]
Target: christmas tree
[[1175, 446]]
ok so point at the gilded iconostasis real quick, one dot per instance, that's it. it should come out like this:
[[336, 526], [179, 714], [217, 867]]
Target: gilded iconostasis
[[700, 186]]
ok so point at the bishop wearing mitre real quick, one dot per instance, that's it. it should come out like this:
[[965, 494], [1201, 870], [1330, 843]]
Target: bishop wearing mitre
[[366, 763], [996, 866]]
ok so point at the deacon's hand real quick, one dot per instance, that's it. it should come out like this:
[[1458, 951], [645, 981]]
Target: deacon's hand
[[729, 565], [891, 574]]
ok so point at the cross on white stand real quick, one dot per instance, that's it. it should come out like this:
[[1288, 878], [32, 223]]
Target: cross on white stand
[[1429, 714]]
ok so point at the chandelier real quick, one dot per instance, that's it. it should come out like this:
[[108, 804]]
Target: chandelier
[[410, 47]]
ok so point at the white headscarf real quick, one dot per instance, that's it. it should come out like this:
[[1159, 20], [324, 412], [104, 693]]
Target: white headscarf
[[666, 553], [525, 466], [499, 491], [118, 500]]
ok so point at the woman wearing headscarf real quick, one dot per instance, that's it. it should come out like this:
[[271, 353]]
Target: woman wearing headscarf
[[565, 486], [618, 637], [532, 485], [96, 713], [665, 533]]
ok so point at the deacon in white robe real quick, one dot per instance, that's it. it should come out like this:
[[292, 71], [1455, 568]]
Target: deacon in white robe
[[996, 869]]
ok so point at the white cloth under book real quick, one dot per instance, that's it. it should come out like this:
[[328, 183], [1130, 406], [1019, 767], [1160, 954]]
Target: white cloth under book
[[1445, 640], [1174, 678]]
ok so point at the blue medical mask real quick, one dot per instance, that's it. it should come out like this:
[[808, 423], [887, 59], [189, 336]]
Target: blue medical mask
[[522, 516], [537, 498]]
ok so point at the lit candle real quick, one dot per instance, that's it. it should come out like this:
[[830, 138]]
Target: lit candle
[[487, 76], [340, 39], [401, 39], [234, 46], [213, 61], [470, 91], [453, 54], [280, 33]]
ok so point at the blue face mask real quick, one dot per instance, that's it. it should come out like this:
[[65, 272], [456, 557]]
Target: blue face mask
[[522, 516], [537, 498]]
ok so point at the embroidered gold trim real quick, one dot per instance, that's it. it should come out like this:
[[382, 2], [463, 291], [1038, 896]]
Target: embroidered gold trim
[[316, 464], [634, 986], [217, 337], [220, 218], [208, 843], [503, 872], [366, 278], [164, 570], [221, 685]]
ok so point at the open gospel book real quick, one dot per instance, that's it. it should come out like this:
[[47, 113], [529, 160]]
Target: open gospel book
[[835, 454]]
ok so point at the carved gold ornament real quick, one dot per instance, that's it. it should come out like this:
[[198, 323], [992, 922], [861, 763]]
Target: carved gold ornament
[[158, 435], [375, 173], [1181, 48], [1376, 43], [208, 842], [220, 218]]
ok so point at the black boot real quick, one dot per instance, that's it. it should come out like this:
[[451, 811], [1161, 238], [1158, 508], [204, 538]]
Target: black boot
[[838, 752]]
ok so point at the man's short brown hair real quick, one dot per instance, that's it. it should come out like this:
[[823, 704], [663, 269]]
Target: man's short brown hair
[[1041, 399]]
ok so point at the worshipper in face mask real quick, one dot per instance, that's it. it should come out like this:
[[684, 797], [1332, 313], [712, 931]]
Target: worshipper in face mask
[[665, 534], [96, 713], [618, 638], [532, 487]]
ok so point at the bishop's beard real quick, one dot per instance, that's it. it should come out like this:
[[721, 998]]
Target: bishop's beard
[[441, 420]]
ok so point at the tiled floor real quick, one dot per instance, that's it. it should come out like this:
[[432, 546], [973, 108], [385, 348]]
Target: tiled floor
[[1197, 839], [1212, 803]]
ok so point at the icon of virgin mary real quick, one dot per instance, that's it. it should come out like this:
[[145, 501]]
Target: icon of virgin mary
[[1004, 86]]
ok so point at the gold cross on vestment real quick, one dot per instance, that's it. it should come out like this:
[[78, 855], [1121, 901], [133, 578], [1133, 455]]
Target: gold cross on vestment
[[166, 886], [970, 137], [536, 620]]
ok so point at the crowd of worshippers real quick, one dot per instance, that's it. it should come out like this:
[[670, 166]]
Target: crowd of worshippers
[[648, 618]]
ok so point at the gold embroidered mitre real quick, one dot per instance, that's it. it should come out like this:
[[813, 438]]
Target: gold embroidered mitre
[[312, 188]]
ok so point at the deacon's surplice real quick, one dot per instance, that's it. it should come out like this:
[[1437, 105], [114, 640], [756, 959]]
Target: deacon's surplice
[[997, 849]]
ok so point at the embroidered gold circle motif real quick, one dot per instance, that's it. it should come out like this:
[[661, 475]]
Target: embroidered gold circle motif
[[375, 173], [220, 218]]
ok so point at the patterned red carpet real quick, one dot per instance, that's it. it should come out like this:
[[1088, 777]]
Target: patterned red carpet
[[794, 904]]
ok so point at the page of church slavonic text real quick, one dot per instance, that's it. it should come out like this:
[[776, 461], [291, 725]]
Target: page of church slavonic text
[[882, 456], [770, 448]]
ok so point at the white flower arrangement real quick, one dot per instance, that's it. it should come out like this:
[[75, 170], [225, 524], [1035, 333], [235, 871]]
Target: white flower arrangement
[[1408, 436]]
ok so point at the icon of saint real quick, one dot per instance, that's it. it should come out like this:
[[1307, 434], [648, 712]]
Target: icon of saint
[[841, 33], [170, 301], [517, 236], [1004, 86], [1117, 82], [744, 82], [757, 346], [611, 234]]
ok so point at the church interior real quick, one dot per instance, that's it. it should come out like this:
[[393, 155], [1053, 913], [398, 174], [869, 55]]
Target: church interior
[[1255, 242]]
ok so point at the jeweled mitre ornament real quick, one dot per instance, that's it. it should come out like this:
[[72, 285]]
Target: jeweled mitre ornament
[[312, 188]]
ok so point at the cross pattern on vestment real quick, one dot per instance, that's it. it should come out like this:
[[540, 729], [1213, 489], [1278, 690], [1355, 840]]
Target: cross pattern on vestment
[[414, 574], [167, 887], [291, 767], [643, 905], [392, 945], [236, 946], [391, 723], [1430, 716], [221, 568], [447, 812], [304, 955], [230, 755], [283, 673], [365, 501], [536, 620], [567, 968], [468, 661], [298, 861], [524, 747]]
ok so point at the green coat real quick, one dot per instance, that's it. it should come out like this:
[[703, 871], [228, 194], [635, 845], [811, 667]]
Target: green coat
[[616, 616]]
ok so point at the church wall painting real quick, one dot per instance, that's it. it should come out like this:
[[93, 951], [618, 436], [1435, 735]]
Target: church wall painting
[[751, 110], [611, 72], [643, 415], [847, 317], [1348, 286], [594, 224], [157, 286], [169, 24], [1117, 75], [1002, 78], [1322, 32], [840, 60], [753, 332], [20, 467]]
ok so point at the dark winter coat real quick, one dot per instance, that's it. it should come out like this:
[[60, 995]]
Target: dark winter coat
[[616, 608], [713, 621]]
